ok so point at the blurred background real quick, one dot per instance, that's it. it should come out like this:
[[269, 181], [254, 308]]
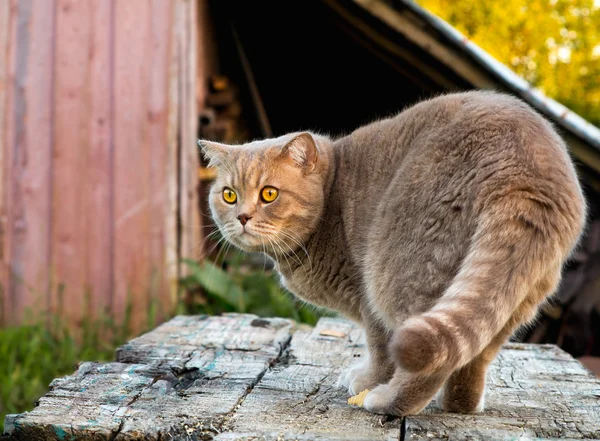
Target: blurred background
[[104, 227]]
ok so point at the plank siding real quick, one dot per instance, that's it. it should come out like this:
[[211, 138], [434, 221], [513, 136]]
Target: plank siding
[[27, 146], [100, 188], [132, 172], [97, 156], [8, 13], [37, 155], [162, 161], [190, 248], [70, 160]]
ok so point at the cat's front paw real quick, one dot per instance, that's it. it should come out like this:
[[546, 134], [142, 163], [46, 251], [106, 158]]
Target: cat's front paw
[[359, 378], [348, 376], [361, 381]]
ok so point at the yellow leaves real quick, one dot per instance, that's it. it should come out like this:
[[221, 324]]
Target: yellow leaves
[[549, 43]]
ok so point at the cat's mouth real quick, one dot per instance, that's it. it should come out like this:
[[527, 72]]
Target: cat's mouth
[[249, 240]]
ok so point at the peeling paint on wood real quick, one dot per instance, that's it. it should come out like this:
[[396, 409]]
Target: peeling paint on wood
[[237, 377]]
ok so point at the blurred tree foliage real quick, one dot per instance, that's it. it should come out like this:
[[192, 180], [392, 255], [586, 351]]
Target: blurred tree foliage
[[553, 44]]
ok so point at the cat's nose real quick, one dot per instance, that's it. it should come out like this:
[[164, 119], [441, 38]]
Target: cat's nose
[[243, 218]]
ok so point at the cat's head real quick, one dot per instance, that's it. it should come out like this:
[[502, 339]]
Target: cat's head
[[268, 195]]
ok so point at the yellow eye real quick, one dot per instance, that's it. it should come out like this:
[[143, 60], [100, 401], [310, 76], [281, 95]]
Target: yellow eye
[[269, 194], [229, 195]]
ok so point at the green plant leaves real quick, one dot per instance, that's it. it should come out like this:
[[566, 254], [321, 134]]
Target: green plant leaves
[[241, 288], [217, 283]]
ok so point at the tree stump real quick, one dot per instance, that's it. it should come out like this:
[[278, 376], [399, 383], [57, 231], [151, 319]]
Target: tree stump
[[241, 377]]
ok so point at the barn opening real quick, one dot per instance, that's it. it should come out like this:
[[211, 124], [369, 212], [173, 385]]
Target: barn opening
[[331, 66]]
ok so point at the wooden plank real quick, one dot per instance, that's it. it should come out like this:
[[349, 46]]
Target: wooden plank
[[534, 391], [131, 161], [163, 287], [5, 40], [7, 47], [39, 118], [172, 152], [70, 159], [188, 208], [300, 399], [175, 342], [27, 176], [238, 377], [99, 188], [198, 371]]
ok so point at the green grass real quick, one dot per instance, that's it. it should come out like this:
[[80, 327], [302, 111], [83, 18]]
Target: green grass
[[31, 356]]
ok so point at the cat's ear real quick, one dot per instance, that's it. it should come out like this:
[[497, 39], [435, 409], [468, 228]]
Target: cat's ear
[[303, 151], [214, 152]]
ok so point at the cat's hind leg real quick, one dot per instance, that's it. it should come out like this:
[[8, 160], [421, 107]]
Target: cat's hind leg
[[465, 389], [461, 391]]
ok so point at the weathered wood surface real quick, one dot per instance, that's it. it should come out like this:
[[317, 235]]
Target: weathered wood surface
[[241, 377], [534, 391]]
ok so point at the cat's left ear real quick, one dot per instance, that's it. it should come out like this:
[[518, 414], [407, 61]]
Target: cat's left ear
[[214, 152], [303, 151]]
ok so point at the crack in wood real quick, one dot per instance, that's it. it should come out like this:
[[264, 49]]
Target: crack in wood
[[116, 433], [275, 361]]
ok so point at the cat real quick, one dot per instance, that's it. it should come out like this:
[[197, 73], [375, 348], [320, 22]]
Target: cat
[[440, 230]]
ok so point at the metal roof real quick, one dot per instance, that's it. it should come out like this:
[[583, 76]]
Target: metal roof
[[390, 11]]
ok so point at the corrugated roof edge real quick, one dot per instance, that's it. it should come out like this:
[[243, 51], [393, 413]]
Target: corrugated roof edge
[[556, 111]]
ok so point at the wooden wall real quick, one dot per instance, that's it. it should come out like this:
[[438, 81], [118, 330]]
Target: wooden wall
[[98, 156]]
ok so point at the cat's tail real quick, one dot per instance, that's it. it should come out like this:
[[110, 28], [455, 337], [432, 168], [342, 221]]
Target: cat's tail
[[517, 244]]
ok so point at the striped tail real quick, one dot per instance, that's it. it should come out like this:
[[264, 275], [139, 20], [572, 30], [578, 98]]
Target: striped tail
[[519, 241]]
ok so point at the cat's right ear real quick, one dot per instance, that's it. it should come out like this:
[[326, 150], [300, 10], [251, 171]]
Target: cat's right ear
[[302, 150], [214, 152]]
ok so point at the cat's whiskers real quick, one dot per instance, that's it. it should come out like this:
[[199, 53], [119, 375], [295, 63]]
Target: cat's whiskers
[[214, 247], [286, 235], [269, 231], [269, 235], [210, 236], [298, 242], [200, 244], [209, 226], [275, 253], [226, 237], [265, 253], [293, 253], [282, 251]]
